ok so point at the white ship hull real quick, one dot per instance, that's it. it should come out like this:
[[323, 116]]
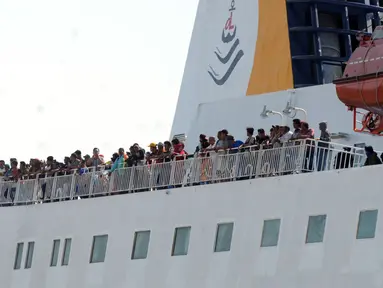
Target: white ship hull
[[340, 261]]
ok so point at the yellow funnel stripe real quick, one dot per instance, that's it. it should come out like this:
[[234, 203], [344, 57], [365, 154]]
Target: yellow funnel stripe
[[272, 69]]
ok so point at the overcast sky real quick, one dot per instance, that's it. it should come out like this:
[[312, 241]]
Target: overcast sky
[[79, 74]]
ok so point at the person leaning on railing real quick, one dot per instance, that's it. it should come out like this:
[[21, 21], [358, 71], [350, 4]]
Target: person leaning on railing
[[2, 168], [96, 160], [13, 174], [178, 150], [137, 156], [323, 147]]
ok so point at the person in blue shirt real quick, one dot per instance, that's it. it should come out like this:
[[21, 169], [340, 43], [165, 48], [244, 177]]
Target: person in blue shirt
[[120, 161]]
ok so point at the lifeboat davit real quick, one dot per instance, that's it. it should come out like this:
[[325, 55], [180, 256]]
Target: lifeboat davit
[[361, 87]]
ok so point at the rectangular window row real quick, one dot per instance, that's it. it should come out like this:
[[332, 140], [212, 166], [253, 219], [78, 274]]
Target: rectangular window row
[[224, 233], [65, 252], [19, 255]]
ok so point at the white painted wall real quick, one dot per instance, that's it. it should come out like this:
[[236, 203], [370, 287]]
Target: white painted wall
[[320, 102], [341, 261], [197, 86]]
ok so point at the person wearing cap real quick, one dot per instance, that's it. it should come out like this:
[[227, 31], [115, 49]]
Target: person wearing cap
[[153, 153], [74, 162]]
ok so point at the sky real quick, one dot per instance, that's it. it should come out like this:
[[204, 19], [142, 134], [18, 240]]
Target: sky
[[79, 74]]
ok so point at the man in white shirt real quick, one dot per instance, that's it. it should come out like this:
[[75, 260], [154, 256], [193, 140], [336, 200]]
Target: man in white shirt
[[287, 134]]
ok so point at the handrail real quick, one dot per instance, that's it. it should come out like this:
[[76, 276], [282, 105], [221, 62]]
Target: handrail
[[298, 156]]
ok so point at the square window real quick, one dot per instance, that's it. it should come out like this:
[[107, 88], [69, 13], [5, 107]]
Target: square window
[[270, 232], [19, 255], [315, 229], [367, 224], [141, 245], [30, 249], [181, 241], [55, 253], [223, 237], [99, 249], [66, 253]]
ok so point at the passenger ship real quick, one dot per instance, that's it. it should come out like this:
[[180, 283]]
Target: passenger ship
[[258, 220]]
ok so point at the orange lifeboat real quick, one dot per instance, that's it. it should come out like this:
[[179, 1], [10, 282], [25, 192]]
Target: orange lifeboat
[[361, 87]]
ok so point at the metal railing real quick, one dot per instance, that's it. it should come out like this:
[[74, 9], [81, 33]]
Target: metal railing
[[205, 168]]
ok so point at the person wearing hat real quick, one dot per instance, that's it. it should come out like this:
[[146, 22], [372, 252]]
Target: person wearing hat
[[153, 153], [372, 157]]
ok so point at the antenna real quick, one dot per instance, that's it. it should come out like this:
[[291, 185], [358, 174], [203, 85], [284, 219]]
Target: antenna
[[290, 109], [265, 113]]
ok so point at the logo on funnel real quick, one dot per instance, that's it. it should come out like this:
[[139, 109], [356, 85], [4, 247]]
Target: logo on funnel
[[229, 60]]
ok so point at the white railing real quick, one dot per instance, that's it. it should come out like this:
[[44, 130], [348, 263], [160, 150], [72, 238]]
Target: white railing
[[207, 168]]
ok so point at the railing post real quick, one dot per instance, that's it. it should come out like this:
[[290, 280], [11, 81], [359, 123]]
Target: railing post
[[72, 186], [172, 172], [259, 161], [187, 171], [111, 182], [216, 160], [53, 193], [236, 165], [16, 197], [194, 169], [282, 159], [91, 184], [151, 172], [35, 195], [300, 161], [131, 179]]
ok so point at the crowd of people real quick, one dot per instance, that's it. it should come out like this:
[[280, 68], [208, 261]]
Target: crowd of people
[[76, 162], [174, 150]]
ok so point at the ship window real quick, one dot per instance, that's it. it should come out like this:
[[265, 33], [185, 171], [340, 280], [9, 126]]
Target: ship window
[[223, 237], [270, 232], [181, 241], [66, 253], [315, 229], [367, 224], [30, 249], [141, 245], [55, 252], [19, 255], [99, 245]]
